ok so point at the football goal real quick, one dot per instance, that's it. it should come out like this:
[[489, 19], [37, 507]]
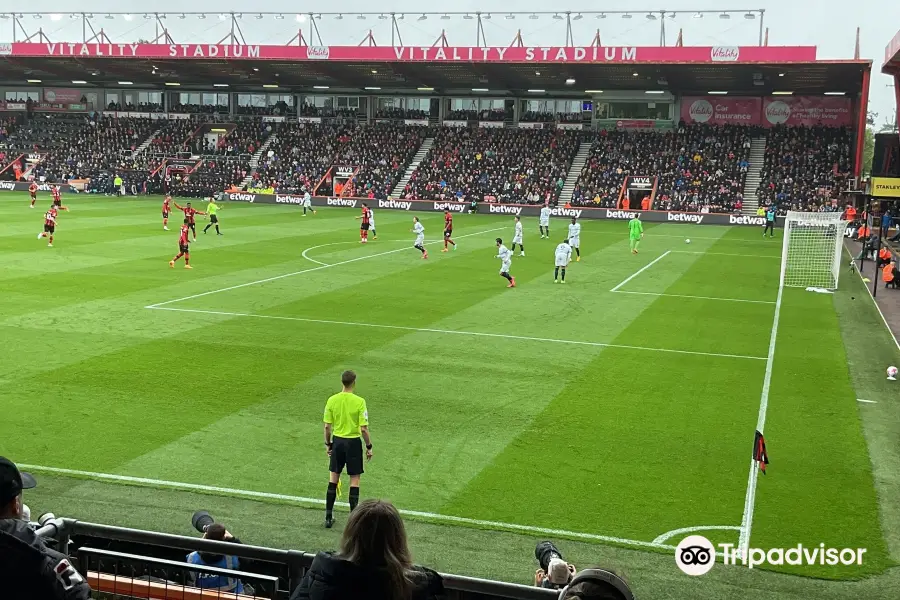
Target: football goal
[[811, 251]]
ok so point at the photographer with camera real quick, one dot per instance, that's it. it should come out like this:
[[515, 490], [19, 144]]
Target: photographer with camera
[[554, 572], [29, 570], [205, 524]]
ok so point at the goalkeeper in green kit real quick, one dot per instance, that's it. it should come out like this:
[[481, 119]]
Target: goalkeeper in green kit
[[635, 233]]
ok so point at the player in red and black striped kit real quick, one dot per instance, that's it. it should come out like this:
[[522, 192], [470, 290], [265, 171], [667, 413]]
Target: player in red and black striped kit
[[33, 189], [183, 247], [165, 212], [448, 230], [57, 200], [189, 217], [49, 225], [366, 217]]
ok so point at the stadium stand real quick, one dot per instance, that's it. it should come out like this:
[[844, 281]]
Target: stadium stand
[[144, 107], [804, 167], [503, 165], [700, 168], [303, 153], [400, 113]]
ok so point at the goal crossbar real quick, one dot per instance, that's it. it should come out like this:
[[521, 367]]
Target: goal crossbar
[[811, 250]]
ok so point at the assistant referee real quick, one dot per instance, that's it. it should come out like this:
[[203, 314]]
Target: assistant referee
[[346, 420]]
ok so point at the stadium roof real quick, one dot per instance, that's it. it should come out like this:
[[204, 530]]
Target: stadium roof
[[892, 56], [754, 70]]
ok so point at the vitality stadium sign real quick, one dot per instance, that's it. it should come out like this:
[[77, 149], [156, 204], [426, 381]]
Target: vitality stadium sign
[[523, 210]]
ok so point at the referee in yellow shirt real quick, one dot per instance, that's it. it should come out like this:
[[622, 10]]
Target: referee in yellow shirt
[[346, 421]]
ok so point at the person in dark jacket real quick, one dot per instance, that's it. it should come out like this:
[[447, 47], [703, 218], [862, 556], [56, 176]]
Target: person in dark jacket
[[374, 562], [29, 570]]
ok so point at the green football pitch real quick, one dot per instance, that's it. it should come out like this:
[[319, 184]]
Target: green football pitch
[[615, 414]]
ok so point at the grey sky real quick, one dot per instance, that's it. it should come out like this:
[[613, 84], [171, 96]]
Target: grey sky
[[827, 24]]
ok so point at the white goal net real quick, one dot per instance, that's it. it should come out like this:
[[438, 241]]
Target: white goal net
[[811, 254]]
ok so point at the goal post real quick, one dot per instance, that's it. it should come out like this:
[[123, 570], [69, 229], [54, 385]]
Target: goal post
[[811, 251]]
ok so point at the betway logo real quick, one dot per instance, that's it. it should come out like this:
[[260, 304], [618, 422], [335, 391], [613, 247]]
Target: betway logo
[[621, 214], [7, 185], [341, 202], [452, 207], [242, 197], [684, 217], [745, 220], [288, 199], [505, 210], [566, 212], [394, 204]]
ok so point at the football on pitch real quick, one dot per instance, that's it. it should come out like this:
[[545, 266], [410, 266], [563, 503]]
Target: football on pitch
[[688, 241], [892, 373]]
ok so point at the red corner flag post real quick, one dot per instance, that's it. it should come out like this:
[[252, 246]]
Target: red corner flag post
[[759, 451]]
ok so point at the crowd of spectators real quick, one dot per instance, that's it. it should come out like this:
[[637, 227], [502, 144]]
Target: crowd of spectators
[[144, 107], [549, 117], [213, 175], [700, 168], [174, 136], [280, 108], [804, 167], [207, 109], [502, 165], [309, 110], [495, 114], [302, 153], [400, 113]]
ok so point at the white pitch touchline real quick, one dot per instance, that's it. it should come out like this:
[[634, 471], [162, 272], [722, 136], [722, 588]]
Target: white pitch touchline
[[670, 534], [695, 297], [867, 401], [875, 302], [750, 498], [726, 254], [642, 269], [452, 332], [318, 502], [310, 270], [318, 262]]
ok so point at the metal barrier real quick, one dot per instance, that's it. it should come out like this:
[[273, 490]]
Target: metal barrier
[[278, 571]]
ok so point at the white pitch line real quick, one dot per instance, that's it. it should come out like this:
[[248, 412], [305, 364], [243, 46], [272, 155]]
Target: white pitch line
[[642, 269], [875, 302], [670, 534], [695, 297], [727, 254], [194, 487], [310, 270], [750, 498], [453, 332], [866, 401]]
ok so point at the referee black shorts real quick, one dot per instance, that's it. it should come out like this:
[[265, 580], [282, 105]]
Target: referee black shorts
[[347, 452]]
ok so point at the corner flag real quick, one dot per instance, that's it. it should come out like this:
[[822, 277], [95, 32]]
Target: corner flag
[[759, 451]]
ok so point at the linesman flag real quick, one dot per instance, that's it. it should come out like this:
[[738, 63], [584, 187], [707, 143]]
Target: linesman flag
[[759, 451]]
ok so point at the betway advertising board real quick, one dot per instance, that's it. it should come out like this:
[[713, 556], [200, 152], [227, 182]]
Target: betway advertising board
[[22, 186], [522, 210]]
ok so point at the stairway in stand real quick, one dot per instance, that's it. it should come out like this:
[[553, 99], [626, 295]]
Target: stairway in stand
[[397, 192], [584, 151], [757, 157], [254, 161]]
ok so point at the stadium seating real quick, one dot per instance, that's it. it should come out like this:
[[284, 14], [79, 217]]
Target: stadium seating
[[80, 147], [804, 167], [478, 115], [173, 137], [505, 165], [145, 107], [400, 113], [303, 153], [278, 109], [700, 168]]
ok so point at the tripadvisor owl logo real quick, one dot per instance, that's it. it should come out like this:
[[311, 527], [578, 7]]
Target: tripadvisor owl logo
[[695, 555]]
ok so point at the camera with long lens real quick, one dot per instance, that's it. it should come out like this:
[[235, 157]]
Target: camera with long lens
[[201, 520]]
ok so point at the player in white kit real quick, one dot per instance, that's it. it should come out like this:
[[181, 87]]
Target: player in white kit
[[544, 222], [419, 230], [372, 224], [561, 257], [505, 256], [517, 237], [307, 203], [574, 238]]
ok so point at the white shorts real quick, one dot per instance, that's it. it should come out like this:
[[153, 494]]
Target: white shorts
[[307, 204], [545, 223], [562, 261], [517, 239], [575, 242], [371, 223], [505, 267], [420, 240]]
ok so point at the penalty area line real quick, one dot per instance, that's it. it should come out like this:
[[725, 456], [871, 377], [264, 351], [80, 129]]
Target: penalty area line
[[209, 489], [302, 271], [670, 534], [453, 332], [694, 297], [642, 269]]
